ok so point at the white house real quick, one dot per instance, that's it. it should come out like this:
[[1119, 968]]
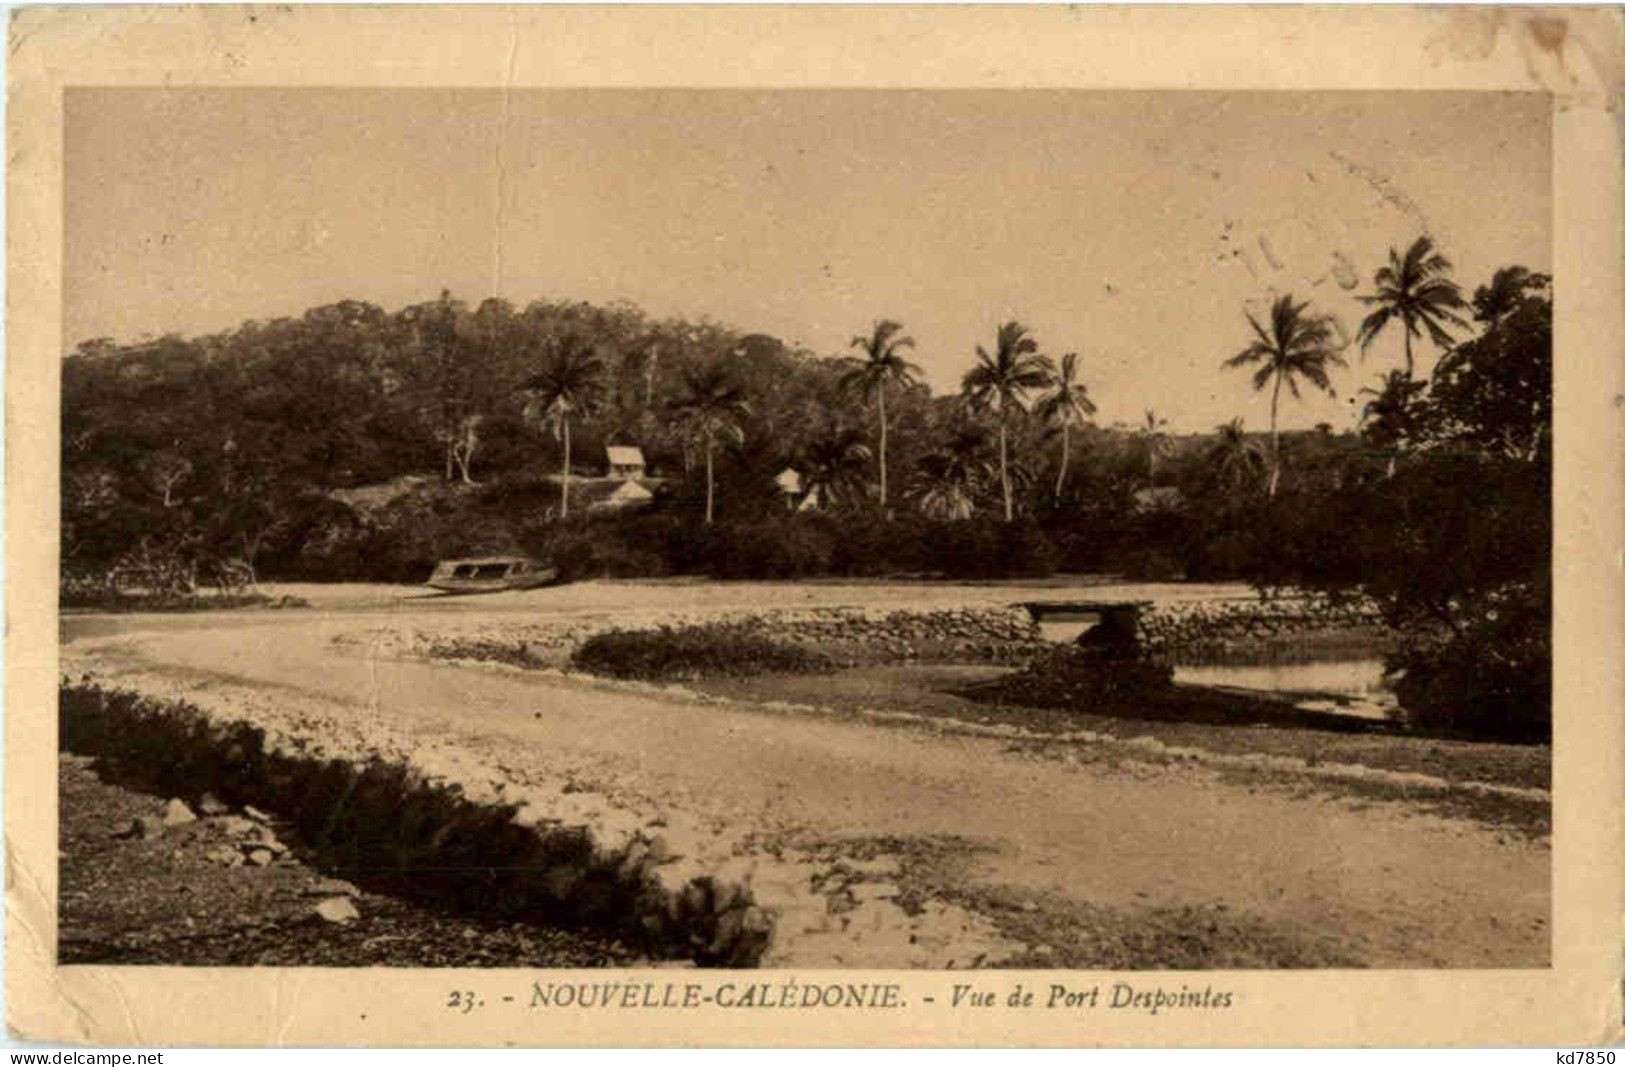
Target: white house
[[625, 462], [795, 496]]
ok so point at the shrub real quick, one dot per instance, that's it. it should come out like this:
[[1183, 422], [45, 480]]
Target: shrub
[[964, 549], [984, 548], [1084, 679], [1490, 679], [692, 652], [89, 599], [597, 552], [1024, 552], [867, 545], [771, 548]]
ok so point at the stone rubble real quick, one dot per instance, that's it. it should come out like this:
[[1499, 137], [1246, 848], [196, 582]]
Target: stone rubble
[[338, 910], [176, 813]]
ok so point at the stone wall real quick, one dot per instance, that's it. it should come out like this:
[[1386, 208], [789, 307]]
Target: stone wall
[[851, 636], [452, 839]]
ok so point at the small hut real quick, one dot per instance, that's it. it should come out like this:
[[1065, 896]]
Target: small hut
[[625, 462]]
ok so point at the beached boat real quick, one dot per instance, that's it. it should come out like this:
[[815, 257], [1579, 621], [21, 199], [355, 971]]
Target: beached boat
[[489, 574]]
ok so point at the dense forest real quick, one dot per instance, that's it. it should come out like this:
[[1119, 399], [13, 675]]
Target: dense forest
[[357, 443]]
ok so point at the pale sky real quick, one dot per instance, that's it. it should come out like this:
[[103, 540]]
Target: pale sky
[[1128, 227]]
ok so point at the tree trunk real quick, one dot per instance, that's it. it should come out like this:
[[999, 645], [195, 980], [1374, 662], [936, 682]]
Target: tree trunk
[[1275, 439], [882, 398], [564, 483], [1060, 479], [710, 484], [1004, 475], [465, 452], [1410, 366]]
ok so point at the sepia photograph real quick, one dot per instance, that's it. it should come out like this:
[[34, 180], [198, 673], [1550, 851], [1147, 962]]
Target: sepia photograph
[[814, 525], [874, 529]]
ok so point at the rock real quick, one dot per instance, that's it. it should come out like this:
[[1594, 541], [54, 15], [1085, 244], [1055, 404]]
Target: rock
[[661, 849], [145, 826], [879, 867], [633, 859], [863, 892], [226, 857], [261, 857], [176, 813], [671, 878], [256, 814], [331, 887], [263, 837], [212, 805], [338, 910], [236, 825]]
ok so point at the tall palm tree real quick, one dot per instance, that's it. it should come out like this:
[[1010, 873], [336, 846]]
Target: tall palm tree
[[949, 479], [1296, 345], [1066, 405], [1415, 290], [1234, 458], [568, 383], [832, 466], [1001, 383], [709, 407], [1153, 433], [881, 364]]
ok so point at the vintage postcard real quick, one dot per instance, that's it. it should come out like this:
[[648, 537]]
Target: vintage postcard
[[783, 526]]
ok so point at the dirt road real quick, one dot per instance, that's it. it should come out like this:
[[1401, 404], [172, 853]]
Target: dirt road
[[1387, 885]]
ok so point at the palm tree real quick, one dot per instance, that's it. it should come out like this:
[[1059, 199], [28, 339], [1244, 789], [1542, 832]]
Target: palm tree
[[1391, 417], [881, 364], [1154, 437], [1296, 345], [949, 479], [1001, 383], [1234, 458], [1066, 405], [832, 466], [1415, 290], [709, 407], [567, 384]]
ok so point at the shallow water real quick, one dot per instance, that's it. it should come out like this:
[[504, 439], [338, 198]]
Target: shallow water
[[1341, 686]]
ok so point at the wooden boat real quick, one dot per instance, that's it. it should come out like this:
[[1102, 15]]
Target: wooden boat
[[489, 574]]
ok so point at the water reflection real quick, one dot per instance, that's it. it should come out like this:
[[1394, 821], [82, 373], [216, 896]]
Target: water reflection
[[1348, 686]]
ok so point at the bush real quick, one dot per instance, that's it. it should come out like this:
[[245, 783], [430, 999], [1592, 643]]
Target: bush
[[1084, 679], [984, 548], [1492, 679], [596, 552], [772, 548], [693, 652], [868, 546]]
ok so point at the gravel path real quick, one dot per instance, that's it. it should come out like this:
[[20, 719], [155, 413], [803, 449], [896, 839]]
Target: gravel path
[[1388, 886]]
